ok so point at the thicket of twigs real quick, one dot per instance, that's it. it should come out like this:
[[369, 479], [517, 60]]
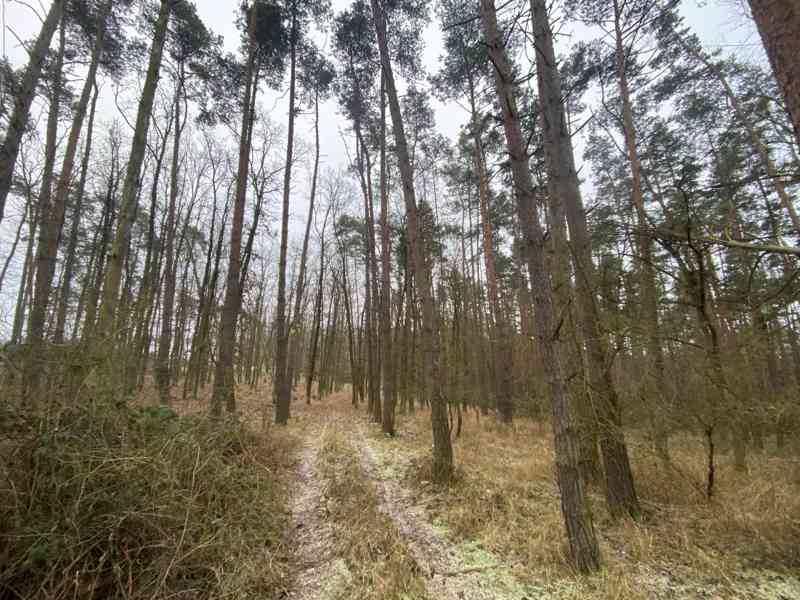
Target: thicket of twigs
[[105, 500]]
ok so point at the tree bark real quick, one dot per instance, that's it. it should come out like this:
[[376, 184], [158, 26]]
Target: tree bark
[[563, 184], [442, 449], [53, 221], [301, 275], [72, 243], [778, 22], [500, 330], [162, 367], [574, 500], [44, 268], [223, 392], [22, 101], [130, 189], [282, 386], [312, 356], [654, 380], [94, 278], [387, 348]]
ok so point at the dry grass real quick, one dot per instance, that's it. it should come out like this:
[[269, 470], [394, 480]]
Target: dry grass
[[101, 500], [504, 498], [379, 565]]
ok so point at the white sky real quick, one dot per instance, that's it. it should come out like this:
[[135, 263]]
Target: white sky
[[719, 23]]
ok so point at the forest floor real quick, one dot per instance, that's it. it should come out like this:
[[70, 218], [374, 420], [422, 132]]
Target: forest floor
[[365, 521]]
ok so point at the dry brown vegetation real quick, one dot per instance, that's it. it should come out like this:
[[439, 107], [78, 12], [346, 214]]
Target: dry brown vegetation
[[379, 566], [134, 502], [101, 500], [743, 543]]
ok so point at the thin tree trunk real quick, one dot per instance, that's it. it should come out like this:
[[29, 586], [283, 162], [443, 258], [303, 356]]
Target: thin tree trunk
[[130, 189], [95, 279], [387, 348], [655, 382], [44, 268], [53, 220], [25, 278], [301, 276], [223, 372], [72, 243], [162, 369], [499, 329], [312, 357], [371, 309], [351, 347]]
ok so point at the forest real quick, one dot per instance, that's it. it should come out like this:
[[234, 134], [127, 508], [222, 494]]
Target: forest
[[399, 299]]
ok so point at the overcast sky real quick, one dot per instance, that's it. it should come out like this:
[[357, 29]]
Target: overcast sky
[[719, 23]]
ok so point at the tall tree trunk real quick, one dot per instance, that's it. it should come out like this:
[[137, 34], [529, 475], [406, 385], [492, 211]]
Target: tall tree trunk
[[655, 382], [25, 277], [351, 343], [371, 301], [312, 356], [53, 220], [162, 367], [130, 189], [778, 22], [329, 362], [574, 500], [203, 334], [143, 306], [23, 99], [223, 370], [442, 449], [563, 184], [72, 243], [36, 321], [499, 330], [387, 348], [301, 275], [94, 279], [282, 391]]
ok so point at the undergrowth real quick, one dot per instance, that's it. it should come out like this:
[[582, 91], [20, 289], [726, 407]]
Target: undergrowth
[[505, 498], [102, 500], [379, 564]]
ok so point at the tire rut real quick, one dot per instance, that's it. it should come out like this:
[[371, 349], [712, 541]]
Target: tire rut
[[316, 570], [448, 573]]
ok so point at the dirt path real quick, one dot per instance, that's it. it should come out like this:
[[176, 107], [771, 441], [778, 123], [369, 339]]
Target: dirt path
[[449, 568], [317, 570], [453, 571]]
